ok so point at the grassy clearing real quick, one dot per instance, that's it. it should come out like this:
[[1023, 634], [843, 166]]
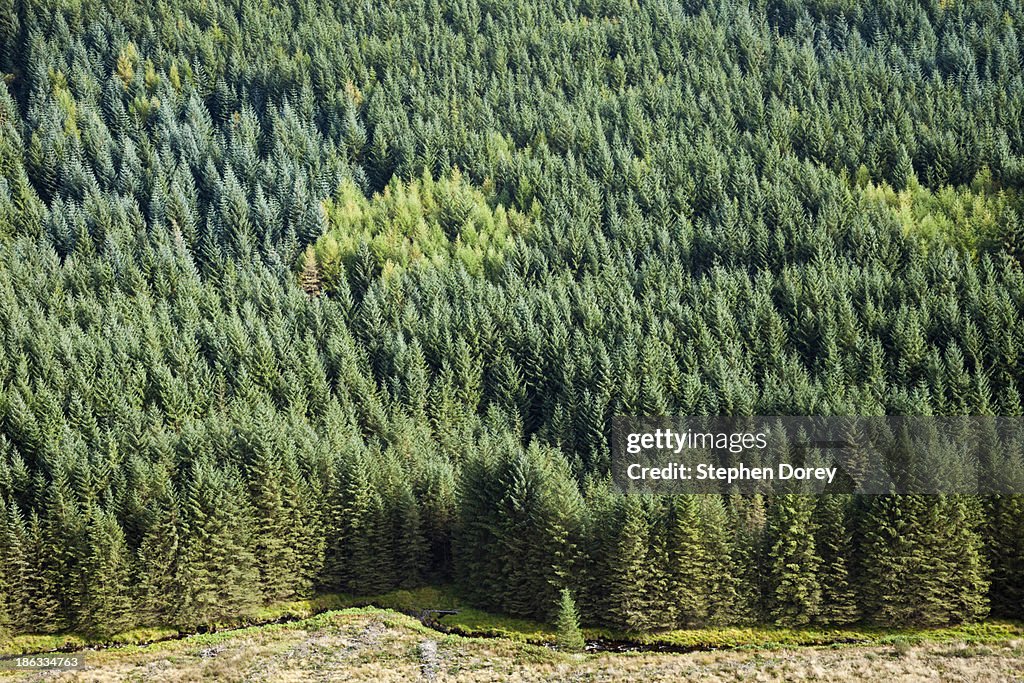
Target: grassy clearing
[[46, 642], [767, 637], [473, 622], [369, 644]]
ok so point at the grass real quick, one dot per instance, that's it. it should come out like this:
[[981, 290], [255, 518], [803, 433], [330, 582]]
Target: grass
[[474, 622], [471, 621], [374, 644], [769, 637]]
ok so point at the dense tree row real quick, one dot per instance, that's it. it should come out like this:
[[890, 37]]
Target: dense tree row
[[342, 297]]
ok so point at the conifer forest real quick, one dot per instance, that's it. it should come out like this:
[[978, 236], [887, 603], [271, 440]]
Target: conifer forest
[[303, 297]]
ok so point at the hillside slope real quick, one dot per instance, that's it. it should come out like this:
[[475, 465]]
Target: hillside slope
[[326, 296]]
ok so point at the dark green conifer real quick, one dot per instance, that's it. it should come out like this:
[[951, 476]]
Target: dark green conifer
[[106, 605], [158, 555], [794, 592], [834, 541], [690, 565], [629, 599]]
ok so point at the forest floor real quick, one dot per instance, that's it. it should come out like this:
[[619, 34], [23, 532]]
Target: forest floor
[[370, 644]]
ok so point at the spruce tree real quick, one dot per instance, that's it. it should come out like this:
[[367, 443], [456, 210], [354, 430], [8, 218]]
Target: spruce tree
[[161, 176], [598, 540], [747, 519], [106, 602], [11, 570], [794, 592], [158, 555], [718, 546], [217, 570], [923, 564], [567, 623], [1005, 547], [260, 447], [689, 564], [889, 527], [536, 516], [834, 541], [966, 589], [406, 535], [630, 569]]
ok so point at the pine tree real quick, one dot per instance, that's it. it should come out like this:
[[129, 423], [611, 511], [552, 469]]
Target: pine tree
[[688, 563], [628, 597], [794, 594], [834, 541], [158, 555], [217, 570], [1005, 547], [106, 603], [570, 638]]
